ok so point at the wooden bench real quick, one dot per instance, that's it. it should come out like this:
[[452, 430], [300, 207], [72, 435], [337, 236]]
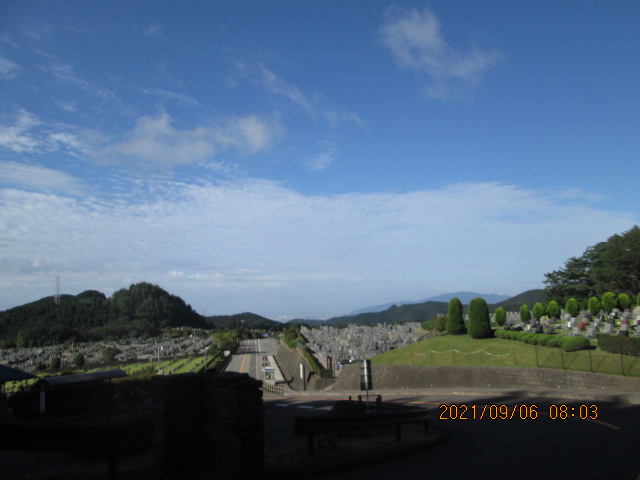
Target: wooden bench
[[314, 424]]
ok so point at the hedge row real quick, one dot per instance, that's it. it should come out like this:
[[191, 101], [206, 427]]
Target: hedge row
[[568, 344], [616, 344]]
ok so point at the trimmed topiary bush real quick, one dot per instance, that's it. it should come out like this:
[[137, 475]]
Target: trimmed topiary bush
[[572, 344], [538, 311], [455, 321], [500, 316], [624, 301], [479, 321], [594, 306], [572, 307], [553, 310], [553, 342], [525, 314], [609, 301]]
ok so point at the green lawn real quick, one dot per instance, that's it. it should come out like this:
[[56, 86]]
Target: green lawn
[[464, 350]]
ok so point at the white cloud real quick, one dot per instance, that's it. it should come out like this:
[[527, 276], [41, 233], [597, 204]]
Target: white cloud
[[322, 160], [415, 40], [8, 68], [156, 140], [316, 106], [258, 245], [19, 137], [33, 177], [154, 30]]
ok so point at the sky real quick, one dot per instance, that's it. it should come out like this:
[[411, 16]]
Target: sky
[[309, 158]]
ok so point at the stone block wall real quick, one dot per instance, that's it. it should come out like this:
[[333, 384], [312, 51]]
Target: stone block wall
[[208, 420]]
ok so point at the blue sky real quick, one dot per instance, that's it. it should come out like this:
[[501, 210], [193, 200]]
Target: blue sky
[[307, 158]]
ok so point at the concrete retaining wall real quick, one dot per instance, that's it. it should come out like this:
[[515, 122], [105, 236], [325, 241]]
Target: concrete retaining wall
[[288, 360], [396, 377]]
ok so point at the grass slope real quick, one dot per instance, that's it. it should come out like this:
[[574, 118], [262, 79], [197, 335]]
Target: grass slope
[[465, 351]]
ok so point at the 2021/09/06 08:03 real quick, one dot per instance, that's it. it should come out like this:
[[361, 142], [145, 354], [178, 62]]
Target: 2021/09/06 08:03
[[503, 411]]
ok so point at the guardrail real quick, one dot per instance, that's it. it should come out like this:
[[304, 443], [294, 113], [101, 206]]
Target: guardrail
[[275, 389]]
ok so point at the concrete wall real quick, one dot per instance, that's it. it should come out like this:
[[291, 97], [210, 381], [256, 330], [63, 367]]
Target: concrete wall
[[396, 377], [288, 360]]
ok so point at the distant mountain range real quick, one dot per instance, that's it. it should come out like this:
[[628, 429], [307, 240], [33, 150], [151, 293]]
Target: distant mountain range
[[465, 298], [421, 311]]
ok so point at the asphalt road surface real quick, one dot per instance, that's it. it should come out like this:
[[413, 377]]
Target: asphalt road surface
[[251, 357], [507, 443]]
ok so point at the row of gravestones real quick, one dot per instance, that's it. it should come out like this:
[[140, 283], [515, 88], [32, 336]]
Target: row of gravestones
[[583, 325]]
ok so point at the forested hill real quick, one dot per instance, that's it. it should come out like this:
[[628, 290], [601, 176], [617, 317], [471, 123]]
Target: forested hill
[[414, 312], [419, 312], [244, 320], [141, 309]]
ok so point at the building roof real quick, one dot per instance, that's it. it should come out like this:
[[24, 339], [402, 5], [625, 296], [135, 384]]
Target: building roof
[[8, 374], [82, 378]]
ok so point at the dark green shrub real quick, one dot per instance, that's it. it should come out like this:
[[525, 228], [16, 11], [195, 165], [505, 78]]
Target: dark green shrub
[[429, 324], [479, 321], [441, 324], [500, 316], [624, 301], [572, 307], [616, 344], [455, 321], [572, 344], [553, 342], [609, 301], [553, 310], [525, 314], [594, 306], [543, 338], [538, 310]]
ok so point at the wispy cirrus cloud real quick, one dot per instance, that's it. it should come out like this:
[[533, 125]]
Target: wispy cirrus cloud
[[316, 105], [8, 68], [41, 179], [416, 43]]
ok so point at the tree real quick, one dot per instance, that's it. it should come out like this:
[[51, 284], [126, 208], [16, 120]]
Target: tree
[[500, 316], [572, 307], [55, 363], [79, 360], [455, 321], [553, 310], [609, 301], [594, 306], [479, 321], [538, 311], [613, 265], [525, 314], [624, 301], [571, 281]]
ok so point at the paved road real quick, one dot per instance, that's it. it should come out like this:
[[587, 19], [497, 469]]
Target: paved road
[[548, 447], [251, 357]]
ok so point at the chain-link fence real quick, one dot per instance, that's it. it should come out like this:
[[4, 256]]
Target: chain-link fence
[[542, 357]]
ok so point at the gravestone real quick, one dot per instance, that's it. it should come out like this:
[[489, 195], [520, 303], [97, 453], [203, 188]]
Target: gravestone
[[591, 332], [623, 333], [608, 328], [575, 331], [550, 330]]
